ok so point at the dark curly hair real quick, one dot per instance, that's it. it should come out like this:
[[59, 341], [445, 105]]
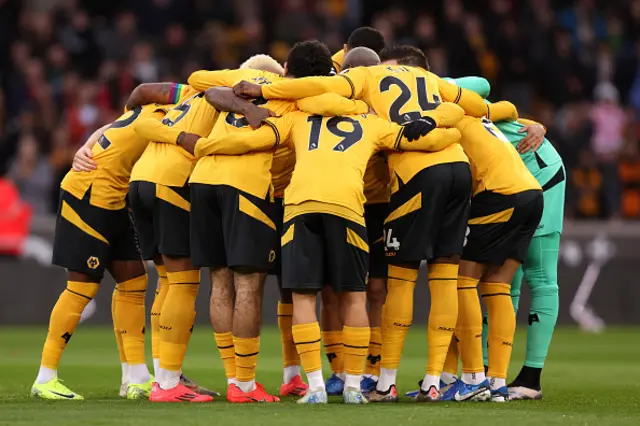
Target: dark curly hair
[[405, 55], [309, 58]]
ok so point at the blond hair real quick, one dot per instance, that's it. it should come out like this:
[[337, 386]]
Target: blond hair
[[264, 63]]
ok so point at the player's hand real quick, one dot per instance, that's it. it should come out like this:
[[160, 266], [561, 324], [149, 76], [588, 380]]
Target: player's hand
[[534, 138], [188, 141], [247, 90], [414, 130], [255, 115], [83, 160]]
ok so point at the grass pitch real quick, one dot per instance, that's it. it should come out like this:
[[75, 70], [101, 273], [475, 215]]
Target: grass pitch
[[588, 380]]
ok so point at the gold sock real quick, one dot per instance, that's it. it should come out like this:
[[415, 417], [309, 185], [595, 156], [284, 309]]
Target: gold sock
[[161, 293], [469, 327], [451, 363], [334, 350], [307, 339], [130, 317], [398, 314], [502, 326], [290, 356], [443, 316], [224, 342], [176, 318], [373, 356], [64, 319], [246, 355], [116, 331], [356, 346]]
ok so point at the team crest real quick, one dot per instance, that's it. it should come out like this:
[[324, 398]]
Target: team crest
[[272, 256], [93, 262]]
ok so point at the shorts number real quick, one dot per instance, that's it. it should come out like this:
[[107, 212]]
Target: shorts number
[[405, 96], [183, 108], [241, 122], [390, 243], [349, 138]]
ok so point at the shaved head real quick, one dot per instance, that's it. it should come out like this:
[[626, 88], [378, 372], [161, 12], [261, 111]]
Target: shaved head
[[360, 57]]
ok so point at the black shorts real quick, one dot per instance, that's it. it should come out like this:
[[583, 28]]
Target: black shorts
[[319, 249], [89, 238], [231, 228], [278, 218], [428, 215], [161, 216], [374, 216], [501, 226]]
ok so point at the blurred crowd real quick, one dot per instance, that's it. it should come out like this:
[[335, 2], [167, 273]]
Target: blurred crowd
[[66, 67]]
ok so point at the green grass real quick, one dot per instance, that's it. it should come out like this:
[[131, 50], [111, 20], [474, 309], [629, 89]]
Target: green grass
[[589, 379]]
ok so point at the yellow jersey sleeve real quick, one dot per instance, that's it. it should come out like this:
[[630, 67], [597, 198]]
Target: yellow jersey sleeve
[[338, 59], [471, 102], [151, 128], [528, 122], [391, 137], [501, 111], [447, 114], [330, 104], [267, 137], [298, 88], [203, 80]]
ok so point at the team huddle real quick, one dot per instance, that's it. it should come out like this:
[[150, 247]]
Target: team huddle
[[338, 175]]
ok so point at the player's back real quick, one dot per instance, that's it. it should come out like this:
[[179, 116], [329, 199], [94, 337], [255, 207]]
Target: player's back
[[169, 164], [331, 157], [249, 172], [400, 94], [496, 165], [115, 154]]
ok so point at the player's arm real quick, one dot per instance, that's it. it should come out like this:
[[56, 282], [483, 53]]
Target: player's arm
[[392, 137], [223, 99], [151, 128], [266, 138], [83, 158], [446, 114], [503, 111], [159, 93], [476, 84], [348, 86], [472, 103], [330, 104], [528, 122], [203, 80]]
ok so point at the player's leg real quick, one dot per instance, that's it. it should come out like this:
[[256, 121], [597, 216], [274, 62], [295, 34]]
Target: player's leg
[[129, 319], [515, 236], [516, 285], [375, 214], [540, 269], [347, 266], [124, 383], [250, 240], [332, 339], [221, 304], [302, 273], [448, 198], [82, 247], [171, 220], [162, 287], [292, 383]]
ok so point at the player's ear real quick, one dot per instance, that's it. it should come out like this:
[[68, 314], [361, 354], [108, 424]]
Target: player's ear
[[286, 69]]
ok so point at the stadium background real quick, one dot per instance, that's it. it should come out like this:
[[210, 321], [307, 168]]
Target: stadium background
[[66, 67]]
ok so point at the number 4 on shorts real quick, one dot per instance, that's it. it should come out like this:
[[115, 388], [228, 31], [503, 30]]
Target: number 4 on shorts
[[390, 243]]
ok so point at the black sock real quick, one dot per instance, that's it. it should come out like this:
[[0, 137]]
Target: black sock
[[529, 377]]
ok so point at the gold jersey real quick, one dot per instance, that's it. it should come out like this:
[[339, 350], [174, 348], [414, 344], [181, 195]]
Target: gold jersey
[[495, 164], [251, 173], [164, 162], [332, 154], [396, 93], [115, 154], [338, 59]]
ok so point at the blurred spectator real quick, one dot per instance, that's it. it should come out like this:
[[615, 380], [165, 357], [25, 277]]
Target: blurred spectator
[[31, 173], [629, 171], [67, 66]]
